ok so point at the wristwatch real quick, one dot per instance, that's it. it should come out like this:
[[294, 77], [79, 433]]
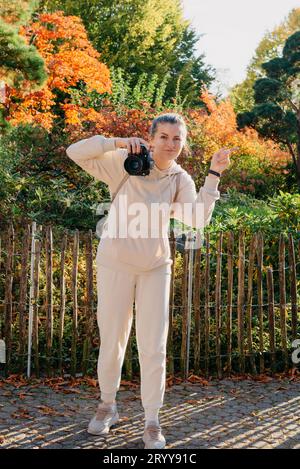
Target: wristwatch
[[214, 172]]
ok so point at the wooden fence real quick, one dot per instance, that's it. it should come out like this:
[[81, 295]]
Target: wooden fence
[[229, 312]]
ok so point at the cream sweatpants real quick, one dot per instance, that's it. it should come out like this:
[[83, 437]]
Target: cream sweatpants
[[117, 290]]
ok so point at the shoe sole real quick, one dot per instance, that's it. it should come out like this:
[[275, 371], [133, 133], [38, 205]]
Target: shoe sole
[[106, 429], [149, 447]]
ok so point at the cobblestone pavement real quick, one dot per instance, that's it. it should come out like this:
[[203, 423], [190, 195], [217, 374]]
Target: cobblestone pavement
[[222, 414]]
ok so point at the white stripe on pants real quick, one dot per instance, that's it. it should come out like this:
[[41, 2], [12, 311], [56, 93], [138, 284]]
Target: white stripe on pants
[[117, 291]]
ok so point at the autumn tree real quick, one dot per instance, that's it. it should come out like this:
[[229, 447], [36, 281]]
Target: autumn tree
[[276, 113], [19, 61], [144, 36], [71, 63], [270, 47], [256, 167]]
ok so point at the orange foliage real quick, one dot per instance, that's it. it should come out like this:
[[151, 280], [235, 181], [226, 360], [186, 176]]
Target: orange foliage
[[216, 127], [69, 58]]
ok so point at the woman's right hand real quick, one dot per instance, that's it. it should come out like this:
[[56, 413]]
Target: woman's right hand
[[133, 144]]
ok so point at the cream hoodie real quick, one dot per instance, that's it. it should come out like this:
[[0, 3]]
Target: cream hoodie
[[99, 157]]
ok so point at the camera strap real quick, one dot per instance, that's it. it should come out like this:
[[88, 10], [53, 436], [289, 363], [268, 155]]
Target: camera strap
[[177, 186], [119, 186]]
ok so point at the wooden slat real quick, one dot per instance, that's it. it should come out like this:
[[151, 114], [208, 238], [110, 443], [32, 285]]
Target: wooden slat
[[62, 287], [89, 301], [75, 303], [241, 296], [184, 313], [293, 281], [259, 254], [8, 296], [218, 305], [230, 250], [249, 303], [35, 308], [128, 371], [197, 313], [170, 345], [23, 295], [270, 288], [49, 298], [282, 301], [207, 306]]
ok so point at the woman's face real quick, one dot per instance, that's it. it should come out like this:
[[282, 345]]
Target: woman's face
[[168, 141]]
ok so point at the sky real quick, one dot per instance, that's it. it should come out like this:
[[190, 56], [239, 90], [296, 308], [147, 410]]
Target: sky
[[232, 29]]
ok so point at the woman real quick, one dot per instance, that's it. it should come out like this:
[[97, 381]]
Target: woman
[[137, 269]]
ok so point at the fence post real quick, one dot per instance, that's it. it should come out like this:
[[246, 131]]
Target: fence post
[[283, 301], [260, 300], [35, 323], [62, 282], [75, 305], [170, 354], [241, 287], [190, 248], [293, 280], [218, 305], [184, 314], [23, 296], [89, 301], [249, 303], [197, 314], [49, 298], [207, 306], [270, 287], [31, 295], [230, 248], [8, 296]]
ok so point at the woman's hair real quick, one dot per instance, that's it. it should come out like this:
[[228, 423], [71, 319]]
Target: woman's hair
[[170, 118]]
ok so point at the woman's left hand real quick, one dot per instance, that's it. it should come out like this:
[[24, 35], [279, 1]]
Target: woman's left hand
[[220, 160]]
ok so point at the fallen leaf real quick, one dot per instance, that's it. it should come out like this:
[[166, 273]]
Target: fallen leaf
[[198, 379], [92, 382], [192, 401], [46, 410]]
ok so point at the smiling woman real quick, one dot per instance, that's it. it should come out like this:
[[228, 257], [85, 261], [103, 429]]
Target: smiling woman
[[136, 265]]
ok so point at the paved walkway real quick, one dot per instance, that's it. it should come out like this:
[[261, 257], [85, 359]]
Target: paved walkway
[[218, 414]]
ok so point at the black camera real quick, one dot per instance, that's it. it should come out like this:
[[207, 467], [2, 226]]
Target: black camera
[[139, 164]]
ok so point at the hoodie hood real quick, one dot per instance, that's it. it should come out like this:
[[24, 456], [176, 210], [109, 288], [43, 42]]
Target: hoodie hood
[[156, 173]]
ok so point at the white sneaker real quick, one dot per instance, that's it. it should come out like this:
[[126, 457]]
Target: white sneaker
[[106, 416], [153, 437]]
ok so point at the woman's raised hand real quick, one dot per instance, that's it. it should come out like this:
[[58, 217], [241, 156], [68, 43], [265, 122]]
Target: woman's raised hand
[[133, 144]]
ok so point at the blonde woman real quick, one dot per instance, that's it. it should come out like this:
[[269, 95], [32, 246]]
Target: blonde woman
[[137, 269]]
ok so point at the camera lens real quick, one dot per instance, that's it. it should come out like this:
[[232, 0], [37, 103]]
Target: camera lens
[[134, 165]]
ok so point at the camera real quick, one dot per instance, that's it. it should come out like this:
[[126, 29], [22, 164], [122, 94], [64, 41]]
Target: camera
[[139, 164]]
